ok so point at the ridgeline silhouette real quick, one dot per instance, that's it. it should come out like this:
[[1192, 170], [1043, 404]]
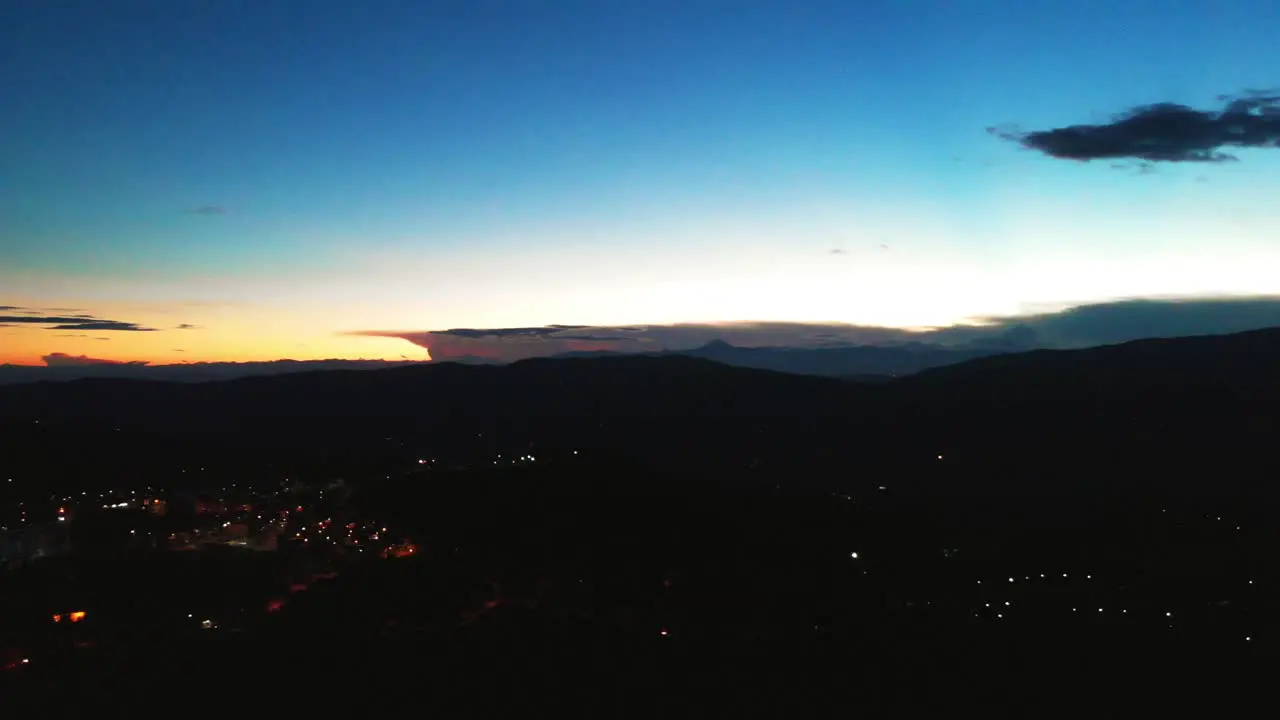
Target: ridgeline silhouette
[[1194, 413]]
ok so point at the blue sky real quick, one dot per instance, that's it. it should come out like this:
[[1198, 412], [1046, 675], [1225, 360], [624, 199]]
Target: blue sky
[[413, 165]]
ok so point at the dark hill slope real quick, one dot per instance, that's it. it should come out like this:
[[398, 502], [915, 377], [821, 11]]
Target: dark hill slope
[[1203, 407], [1199, 411], [671, 411], [1246, 358]]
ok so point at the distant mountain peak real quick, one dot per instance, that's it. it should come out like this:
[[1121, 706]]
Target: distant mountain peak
[[717, 344]]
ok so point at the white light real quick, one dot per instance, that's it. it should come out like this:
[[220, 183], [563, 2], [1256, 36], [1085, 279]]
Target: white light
[[1168, 614], [853, 555], [1010, 579]]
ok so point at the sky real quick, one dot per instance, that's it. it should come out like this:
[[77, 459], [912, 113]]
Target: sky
[[200, 181]]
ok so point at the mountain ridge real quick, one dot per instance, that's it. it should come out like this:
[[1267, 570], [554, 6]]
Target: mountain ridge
[[1199, 411]]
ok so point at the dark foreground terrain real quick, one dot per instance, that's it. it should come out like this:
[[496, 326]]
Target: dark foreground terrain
[[1042, 535]]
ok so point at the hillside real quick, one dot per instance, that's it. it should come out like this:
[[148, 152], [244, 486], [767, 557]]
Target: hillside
[[1239, 358], [1195, 411]]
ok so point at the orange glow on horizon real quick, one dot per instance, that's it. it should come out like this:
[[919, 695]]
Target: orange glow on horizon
[[196, 335]]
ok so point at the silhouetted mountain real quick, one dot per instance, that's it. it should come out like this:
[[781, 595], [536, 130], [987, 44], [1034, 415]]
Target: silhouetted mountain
[[831, 362], [716, 346], [1240, 358], [865, 361], [841, 361], [183, 372], [1142, 412], [682, 518], [873, 379], [474, 360]]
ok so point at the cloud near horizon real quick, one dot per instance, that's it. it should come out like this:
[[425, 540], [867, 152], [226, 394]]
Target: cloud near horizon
[[1080, 326], [65, 360], [77, 321], [1165, 132]]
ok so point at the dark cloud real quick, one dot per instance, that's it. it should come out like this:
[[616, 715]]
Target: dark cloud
[[105, 326], [1165, 132], [547, 331], [208, 210], [509, 344], [1080, 326], [188, 326], [29, 316], [1125, 320], [113, 325], [65, 360]]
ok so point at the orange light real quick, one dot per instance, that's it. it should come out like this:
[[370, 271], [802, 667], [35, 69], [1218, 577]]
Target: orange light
[[76, 616], [57, 617]]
